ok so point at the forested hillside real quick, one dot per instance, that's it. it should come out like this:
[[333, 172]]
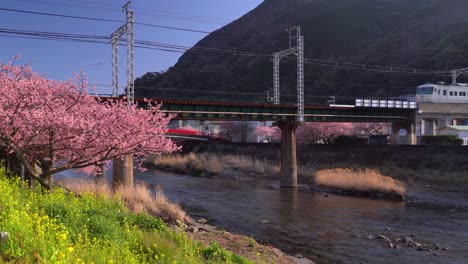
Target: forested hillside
[[428, 34]]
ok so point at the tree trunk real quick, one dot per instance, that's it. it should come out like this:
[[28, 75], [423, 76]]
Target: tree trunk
[[46, 177]]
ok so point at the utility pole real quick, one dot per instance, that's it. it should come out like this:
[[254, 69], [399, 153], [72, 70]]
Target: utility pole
[[298, 50], [128, 29]]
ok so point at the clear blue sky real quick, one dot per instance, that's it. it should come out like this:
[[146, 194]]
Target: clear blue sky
[[59, 59]]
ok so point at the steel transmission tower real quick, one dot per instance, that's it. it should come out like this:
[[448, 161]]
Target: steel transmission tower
[[115, 38], [298, 50]]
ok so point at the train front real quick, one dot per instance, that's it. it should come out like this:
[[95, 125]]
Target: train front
[[424, 93]]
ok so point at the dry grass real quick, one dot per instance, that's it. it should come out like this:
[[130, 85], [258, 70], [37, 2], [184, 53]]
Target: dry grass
[[365, 180], [190, 163], [362, 180], [213, 164], [138, 199], [249, 164]]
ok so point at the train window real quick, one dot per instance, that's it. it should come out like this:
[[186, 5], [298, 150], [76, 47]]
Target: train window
[[451, 93], [445, 92], [455, 93], [438, 91]]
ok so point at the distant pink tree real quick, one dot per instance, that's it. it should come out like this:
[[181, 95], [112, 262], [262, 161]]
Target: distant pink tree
[[269, 133], [371, 129], [322, 132], [57, 125]]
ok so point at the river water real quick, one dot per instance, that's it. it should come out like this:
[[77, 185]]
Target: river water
[[315, 226]]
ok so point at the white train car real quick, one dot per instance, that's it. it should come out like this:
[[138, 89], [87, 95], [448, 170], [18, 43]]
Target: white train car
[[441, 93]]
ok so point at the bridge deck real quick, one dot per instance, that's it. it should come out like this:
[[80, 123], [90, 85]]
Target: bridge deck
[[235, 111]]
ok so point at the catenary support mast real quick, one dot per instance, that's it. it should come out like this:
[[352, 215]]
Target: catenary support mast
[[298, 50], [128, 29]]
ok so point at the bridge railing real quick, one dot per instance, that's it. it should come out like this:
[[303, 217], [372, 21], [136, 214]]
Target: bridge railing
[[386, 103]]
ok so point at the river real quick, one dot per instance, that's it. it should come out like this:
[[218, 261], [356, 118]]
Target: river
[[315, 226]]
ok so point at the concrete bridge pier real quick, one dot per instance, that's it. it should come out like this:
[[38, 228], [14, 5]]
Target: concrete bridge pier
[[410, 128], [288, 153], [122, 172]]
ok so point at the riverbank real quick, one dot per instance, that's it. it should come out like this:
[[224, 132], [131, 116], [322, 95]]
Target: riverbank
[[142, 199], [242, 245]]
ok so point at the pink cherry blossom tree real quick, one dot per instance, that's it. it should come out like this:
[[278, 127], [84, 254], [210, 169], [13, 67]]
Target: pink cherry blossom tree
[[325, 132], [371, 129], [58, 125], [269, 133]]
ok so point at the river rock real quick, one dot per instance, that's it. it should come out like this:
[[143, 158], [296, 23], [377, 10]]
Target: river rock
[[370, 237], [4, 236], [202, 230], [391, 245], [202, 220], [413, 235], [298, 256], [192, 229], [380, 236], [235, 177], [388, 228], [408, 240], [264, 221], [444, 248], [436, 246]]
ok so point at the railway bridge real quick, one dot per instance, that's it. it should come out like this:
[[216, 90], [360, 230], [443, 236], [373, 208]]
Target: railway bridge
[[401, 114]]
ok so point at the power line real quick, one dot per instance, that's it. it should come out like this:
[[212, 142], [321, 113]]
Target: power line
[[246, 75], [195, 30], [116, 9], [218, 92], [102, 20], [152, 10], [181, 49]]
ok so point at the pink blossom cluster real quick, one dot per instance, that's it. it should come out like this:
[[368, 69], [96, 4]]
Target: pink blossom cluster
[[324, 132]]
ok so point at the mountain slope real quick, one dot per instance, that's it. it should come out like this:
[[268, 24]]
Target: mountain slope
[[429, 34]]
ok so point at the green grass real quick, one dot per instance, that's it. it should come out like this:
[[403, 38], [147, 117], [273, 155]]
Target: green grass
[[57, 227]]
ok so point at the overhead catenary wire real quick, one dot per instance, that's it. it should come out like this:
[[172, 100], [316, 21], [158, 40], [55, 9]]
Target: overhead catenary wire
[[181, 49], [102, 19], [184, 29], [160, 14], [150, 10], [218, 92]]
